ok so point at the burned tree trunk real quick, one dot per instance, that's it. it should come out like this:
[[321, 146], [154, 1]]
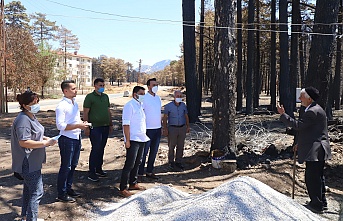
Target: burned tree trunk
[[188, 16], [322, 45], [223, 136]]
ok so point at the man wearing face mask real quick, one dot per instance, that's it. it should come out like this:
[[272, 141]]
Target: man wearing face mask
[[152, 108], [176, 115], [134, 129], [96, 110]]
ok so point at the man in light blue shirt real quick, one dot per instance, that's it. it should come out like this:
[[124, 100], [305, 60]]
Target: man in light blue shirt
[[176, 114]]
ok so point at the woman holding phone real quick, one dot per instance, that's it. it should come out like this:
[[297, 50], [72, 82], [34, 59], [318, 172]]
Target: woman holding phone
[[28, 153]]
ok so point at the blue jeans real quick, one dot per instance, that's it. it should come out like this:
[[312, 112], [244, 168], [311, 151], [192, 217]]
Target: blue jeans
[[70, 153], [98, 137], [132, 162], [32, 192], [152, 144]]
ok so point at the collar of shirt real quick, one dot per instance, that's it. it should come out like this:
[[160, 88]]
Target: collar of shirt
[[70, 101], [176, 104], [308, 107], [152, 95], [137, 102], [96, 94]]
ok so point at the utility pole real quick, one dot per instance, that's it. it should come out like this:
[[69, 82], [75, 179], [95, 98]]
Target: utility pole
[[139, 70], [3, 94]]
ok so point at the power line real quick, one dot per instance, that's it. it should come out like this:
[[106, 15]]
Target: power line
[[172, 21], [184, 23], [117, 15], [210, 26]]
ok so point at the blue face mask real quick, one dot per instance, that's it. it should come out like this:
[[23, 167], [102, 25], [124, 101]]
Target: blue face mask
[[34, 108], [101, 90]]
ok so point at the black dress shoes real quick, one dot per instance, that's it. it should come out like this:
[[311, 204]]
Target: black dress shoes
[[66, 198], [314, 209], [151, 176], [72, 193]]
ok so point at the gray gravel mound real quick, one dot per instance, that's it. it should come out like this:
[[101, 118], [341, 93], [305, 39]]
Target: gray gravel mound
[[243, 198]]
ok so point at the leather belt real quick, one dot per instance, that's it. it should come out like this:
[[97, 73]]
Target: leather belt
[[177, 125]]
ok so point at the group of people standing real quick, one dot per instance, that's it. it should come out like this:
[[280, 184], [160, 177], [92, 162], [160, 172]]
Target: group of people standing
[[142, 129]]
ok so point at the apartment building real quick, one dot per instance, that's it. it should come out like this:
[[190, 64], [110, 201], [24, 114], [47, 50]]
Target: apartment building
[[78, 68]]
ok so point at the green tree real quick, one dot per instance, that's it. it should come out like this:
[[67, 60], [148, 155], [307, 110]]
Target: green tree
[[42, 28], [46, 59], [15, 15], [68, 41]]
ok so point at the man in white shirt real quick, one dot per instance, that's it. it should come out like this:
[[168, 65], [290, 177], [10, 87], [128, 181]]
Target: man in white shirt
[[134, 129], [152, 108], [69, 124]]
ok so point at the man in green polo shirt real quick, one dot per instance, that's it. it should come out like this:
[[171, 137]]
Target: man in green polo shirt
[[96, 110]]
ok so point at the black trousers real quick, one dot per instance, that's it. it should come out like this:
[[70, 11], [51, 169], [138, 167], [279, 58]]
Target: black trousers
[[315, 183], [132, 162]]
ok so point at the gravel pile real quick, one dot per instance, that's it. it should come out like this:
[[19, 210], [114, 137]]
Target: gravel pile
[[243, 198]]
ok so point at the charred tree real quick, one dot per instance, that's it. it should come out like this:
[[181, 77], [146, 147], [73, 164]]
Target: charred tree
[[284, 82], [257, 72], [273, 57], [239, 101], [189, 51], [223, 136], [322, 46], [250, 59], [294, 67], [337, 80]]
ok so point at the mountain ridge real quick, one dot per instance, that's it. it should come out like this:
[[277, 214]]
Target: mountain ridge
[[158, 66]]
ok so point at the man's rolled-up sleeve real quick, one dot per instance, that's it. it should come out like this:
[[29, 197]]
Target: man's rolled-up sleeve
[[60, 119], [127, 114]]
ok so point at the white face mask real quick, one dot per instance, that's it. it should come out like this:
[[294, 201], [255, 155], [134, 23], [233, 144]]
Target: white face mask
[[34, 108], [178, 99], [140, 98], [154, 89]]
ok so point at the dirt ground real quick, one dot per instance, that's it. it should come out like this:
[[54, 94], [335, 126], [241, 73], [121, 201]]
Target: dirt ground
[[199, 175]]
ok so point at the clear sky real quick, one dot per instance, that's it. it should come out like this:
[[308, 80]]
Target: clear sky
[[113, 32]]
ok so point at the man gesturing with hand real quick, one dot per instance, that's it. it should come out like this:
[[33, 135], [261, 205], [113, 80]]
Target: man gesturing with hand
[[312, 145]]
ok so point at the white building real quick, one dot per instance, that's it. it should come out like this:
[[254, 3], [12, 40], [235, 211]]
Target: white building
[[78, 68]]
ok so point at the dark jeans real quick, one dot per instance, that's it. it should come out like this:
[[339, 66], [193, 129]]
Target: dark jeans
[[32, 192], [132, 162], [70, 153], [98, 137], [152, 144], [315, 183]]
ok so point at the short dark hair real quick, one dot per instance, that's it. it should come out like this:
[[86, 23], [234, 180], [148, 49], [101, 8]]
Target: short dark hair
[[26, 98], [137, 88], [65, 84], [148, 82], [98, 80]]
